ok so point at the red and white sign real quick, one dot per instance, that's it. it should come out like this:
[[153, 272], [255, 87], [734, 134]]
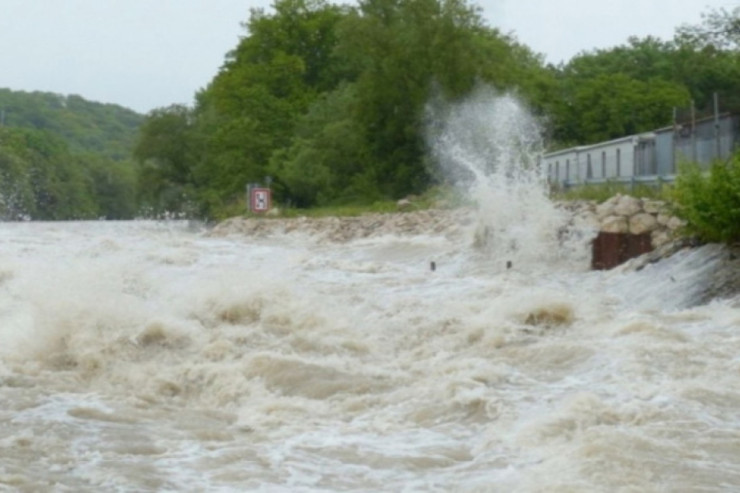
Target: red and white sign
[[260, 200]]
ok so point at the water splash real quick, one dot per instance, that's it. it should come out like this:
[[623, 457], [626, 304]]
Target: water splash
[[11, 202], [489, 145]]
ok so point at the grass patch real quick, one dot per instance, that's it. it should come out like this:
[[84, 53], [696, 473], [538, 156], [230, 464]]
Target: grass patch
[[601, 192], [444, 197], [346, 210]]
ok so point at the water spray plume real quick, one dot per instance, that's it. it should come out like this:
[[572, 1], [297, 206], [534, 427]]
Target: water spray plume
[[489, 146]]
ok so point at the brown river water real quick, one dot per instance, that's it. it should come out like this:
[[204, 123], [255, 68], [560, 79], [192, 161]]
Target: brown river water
[[309, 356], [143, 356]]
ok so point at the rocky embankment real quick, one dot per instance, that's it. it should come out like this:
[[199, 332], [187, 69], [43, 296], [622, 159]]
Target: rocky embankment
[[629, 215], [715, 268], [620, 214], [447, 222]]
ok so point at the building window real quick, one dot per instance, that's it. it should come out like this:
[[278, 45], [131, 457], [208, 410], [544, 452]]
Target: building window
[[619, 162], [589, 171], [557, 170], [567, 169]]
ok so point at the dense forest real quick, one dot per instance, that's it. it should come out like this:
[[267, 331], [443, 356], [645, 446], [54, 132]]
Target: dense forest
[[62, 157], [86, 126], [329, 101]]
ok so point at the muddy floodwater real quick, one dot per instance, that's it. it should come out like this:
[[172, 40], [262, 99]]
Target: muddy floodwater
[[143, 356], [469, 350]]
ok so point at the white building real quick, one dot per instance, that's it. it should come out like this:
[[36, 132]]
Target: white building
[[649, 157], [613, 159]]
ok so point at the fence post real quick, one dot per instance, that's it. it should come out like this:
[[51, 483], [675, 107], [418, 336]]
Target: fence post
[[718, 141], [694, 153]]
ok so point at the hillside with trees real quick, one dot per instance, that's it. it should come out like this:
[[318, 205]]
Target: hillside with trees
[[86, 126], [328, 100], [62, 157]]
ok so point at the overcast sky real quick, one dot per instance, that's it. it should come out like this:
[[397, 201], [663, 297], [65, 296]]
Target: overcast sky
[[144, 54]]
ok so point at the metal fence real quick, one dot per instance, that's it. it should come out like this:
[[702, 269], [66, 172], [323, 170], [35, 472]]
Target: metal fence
[[656, 156]]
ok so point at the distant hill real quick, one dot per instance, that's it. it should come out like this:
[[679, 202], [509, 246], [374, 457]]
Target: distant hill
[[63, 157], [104, 129]]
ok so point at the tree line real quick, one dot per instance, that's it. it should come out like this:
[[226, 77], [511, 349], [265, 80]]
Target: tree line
[[63, 157], [329, 101]]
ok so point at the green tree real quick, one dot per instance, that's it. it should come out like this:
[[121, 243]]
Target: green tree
[[708, 59], [61, 157], [710, 203], [114, 185], [612, 106], [631, 88], [249, 110], [166, 150], [406, 47], [327, 158], [700, 61], [404, 52], [16, 196], [43, 181], [720, 28], [85, 126], [329, 100]]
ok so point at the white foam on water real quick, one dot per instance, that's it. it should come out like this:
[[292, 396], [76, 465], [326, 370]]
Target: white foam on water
[[172, 361], [490, 145], [142, 356]]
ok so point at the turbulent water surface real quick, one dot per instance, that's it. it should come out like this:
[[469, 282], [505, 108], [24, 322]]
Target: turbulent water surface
[[146, 356], [143, 356]]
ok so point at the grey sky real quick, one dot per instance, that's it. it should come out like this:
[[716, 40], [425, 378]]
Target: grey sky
[[144, 54]]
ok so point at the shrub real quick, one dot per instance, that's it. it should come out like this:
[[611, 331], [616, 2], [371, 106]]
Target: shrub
[[710, 201]]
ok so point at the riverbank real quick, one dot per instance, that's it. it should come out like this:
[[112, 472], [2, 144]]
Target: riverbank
[[620, 214]]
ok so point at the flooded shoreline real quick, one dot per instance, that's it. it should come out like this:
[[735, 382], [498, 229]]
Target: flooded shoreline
[[143, 356]]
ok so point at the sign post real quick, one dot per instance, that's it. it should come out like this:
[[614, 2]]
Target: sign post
[[260, 199]]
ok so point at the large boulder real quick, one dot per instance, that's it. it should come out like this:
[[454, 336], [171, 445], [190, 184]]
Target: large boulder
[[606, 209], [663, 218], [653, 206], [615, 224], [675, 223], [658, 238], [627, 206], [404, 205], [642, 222]]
